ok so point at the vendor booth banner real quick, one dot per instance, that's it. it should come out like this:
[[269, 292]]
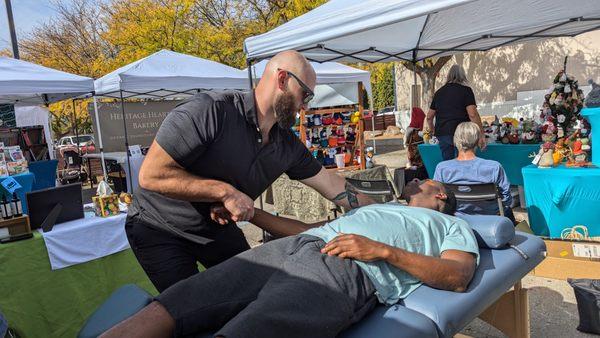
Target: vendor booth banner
[[142, 118]]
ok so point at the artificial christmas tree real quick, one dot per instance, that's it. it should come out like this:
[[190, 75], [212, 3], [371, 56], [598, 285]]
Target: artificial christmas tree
[[563, 103]]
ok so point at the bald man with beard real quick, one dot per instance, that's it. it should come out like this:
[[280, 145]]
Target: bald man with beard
[[222, 150]]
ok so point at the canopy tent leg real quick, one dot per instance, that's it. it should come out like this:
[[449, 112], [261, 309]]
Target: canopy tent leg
[[76, 128], [100, 140], [129, 183]]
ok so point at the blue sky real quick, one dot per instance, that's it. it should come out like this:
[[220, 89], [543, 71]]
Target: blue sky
[[27, 14]]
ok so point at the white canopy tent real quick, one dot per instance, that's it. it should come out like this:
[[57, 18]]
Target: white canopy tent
[[336, 83], [27, 86], [412, 30], [161, 75], [166, 73], [26, 83]]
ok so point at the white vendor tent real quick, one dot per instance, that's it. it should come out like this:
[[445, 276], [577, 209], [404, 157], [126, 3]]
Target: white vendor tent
[[167, 73], [412, 30], [161, 75], [27, 86], [25, 83], [336, 83]]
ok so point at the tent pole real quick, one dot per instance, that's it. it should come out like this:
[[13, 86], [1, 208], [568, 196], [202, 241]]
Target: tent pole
[[129, 183], [76, 128], [249, 65], [395, 84], [413, 89], [100, 139]]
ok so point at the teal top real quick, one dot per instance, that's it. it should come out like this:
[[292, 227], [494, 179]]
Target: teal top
[[417, 230]]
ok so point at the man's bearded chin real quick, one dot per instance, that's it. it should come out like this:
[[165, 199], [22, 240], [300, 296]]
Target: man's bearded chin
[[285, 112]]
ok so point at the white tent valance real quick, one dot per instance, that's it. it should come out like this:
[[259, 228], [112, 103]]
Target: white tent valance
[[328, 74], [26, 83], [412, 30], [166, 73]]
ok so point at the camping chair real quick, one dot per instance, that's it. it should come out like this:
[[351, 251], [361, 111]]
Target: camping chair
[[477, 192], [381, 190]]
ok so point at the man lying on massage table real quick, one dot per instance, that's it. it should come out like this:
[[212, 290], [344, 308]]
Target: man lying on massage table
[[320, 281]]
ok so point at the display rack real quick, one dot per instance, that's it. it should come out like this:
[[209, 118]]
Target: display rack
[[357, 150]]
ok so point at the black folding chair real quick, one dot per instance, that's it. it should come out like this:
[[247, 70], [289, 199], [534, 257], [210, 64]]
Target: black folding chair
[[380, 190], [477, 192]]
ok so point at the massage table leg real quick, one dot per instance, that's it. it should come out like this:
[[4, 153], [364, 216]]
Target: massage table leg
[[510, 313]]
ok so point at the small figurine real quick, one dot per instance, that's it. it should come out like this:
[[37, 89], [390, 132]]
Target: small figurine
[[546, 155]]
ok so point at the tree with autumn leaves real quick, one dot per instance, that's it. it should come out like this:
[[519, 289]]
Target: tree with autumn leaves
[[93, 38]]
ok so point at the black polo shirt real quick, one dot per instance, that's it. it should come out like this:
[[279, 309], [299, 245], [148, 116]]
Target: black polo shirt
[[215, 135], [450, 104]]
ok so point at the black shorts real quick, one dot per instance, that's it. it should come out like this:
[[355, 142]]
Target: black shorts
[[168, 258]]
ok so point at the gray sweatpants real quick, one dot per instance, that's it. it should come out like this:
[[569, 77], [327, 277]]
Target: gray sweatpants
[[284, 288]]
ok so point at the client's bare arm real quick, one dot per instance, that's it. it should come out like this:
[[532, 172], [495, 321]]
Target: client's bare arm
[[280, 226], [275, 225], [452, 271]]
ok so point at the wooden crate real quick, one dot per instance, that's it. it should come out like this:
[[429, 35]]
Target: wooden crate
[[16, 226]]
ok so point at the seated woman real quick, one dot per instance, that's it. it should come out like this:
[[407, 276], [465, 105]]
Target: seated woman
[[470, 169], [320, 281]]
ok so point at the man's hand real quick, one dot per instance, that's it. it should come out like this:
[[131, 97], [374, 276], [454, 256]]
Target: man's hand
[[239, 205], [355, 247]]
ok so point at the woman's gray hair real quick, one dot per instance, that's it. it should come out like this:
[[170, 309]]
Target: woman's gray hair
[[457, 74], [466, 136]]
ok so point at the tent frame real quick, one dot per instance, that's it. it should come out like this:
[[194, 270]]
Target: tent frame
[[458, 48]]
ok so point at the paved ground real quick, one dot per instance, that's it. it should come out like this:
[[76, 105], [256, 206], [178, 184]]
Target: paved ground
[[553, 310]]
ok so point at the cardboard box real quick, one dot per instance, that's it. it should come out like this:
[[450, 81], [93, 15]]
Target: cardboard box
[[106, 206], [570, 259]]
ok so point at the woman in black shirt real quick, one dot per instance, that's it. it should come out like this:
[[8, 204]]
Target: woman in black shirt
[[452, 104]]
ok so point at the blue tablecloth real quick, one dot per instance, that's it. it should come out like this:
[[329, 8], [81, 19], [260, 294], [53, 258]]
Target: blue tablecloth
[[512, 157], [26, 182], [561, 197]]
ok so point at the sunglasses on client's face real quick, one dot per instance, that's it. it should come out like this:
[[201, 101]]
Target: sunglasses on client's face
[[308, 93]]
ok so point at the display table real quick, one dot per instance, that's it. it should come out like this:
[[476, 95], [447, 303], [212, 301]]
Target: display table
[[512, 157], [40, 302], [296, 199], [561, 197], [86, 239], [26, 182]]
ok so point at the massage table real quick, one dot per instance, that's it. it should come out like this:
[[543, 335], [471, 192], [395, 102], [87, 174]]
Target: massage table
[[495, 294]]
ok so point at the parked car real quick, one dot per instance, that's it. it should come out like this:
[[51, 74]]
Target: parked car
[[85, 143]]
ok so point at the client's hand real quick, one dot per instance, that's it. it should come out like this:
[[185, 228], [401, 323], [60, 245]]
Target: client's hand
[[355, 247], [220, 214]]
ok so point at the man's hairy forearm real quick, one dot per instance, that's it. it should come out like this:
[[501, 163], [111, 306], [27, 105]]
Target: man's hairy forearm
[[280, 226], [440, 273], [178, 183]]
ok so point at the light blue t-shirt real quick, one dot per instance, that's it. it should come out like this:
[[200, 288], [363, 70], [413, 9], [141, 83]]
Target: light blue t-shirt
[[477, 170], [417, 230]]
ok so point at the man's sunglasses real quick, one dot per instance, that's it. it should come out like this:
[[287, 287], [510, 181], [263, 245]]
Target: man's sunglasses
[[308, 93]]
